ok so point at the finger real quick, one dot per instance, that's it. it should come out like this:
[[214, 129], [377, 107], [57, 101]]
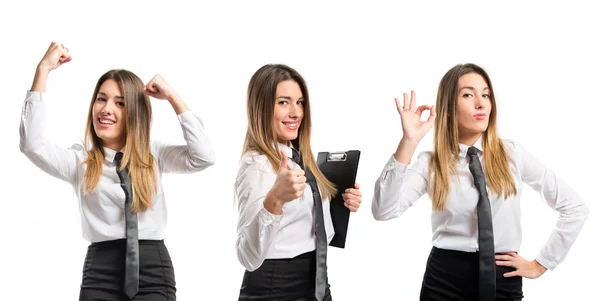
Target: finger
[[432, 115], [300, 180], [356, 186], [354, 192], [505, 263], [406, 103], [512, 274], [299, 187], [504, 257], [422, 108], [398, 106], [284, 161], [351, 208], [297, 172], [413, 100]]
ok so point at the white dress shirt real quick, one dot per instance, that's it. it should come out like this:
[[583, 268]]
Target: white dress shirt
[[455, 227], [262, 235], [102, 210]]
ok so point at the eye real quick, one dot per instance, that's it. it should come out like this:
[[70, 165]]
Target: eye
[[120, 104], [101, 99], [283, 102], [300, 102], [467, 95], [486, 96]]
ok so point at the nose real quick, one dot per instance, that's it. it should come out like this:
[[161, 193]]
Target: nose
[[108, 107], [294, 109], [479, 102]]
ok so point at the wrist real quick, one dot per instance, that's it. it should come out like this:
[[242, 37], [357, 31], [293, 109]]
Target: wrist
[[273, 204], [42, 69], [539, 266]]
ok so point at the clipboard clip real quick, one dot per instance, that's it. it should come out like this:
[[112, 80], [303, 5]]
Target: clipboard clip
[[337, 157]]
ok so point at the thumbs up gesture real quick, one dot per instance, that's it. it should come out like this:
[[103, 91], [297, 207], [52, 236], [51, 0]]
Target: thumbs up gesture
[[289, 185]]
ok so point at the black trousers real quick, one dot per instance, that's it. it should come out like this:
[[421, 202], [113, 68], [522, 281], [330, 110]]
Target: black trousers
[[454, 275], [104, 272], [290, 279]]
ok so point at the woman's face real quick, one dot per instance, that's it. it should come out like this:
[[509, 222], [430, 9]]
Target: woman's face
[[109, 115], [473, 106], [289, 110]]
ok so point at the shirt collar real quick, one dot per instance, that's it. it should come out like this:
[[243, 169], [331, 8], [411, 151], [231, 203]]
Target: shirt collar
[[286, 148], [109, 154], [463, 148]]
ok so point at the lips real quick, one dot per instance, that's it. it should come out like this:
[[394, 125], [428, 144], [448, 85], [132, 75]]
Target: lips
[[104, 122], [291, 125], [480, 116]]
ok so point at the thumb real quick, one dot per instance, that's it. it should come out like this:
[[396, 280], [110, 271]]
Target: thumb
[[356, 186], [431, 114], [284, 161]]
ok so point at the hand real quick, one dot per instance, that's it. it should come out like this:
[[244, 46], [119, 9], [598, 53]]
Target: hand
[[525, 268], [352, 197], [158, 88], [412, 126], [56, 55], [290, 183]]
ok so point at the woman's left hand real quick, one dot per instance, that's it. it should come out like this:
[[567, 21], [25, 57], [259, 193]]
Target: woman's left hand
[[524, 267], [158, 88], [352, 197]]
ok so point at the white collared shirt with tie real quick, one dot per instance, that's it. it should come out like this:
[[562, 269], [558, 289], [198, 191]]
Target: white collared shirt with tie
[[263, 235], [102, 210], [455, 227]]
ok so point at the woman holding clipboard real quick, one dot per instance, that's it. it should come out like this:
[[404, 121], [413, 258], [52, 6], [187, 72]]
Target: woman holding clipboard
[[284, 223]]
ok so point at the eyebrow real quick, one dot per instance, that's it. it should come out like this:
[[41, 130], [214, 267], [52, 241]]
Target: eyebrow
[[471, 88], [289, 98], [104, 94]]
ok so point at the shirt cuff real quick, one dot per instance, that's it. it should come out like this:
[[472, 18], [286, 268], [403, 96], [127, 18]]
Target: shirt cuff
[[267, 218], [547, 263], [395, 165]]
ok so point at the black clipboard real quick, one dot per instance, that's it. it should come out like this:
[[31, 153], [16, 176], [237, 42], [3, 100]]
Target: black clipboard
[[339, 168]]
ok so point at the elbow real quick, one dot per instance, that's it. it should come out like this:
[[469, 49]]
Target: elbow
[[202, 162], [249, 262]]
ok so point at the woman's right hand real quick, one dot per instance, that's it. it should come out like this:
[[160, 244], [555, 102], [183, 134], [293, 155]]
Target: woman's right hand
[[56, 55], [412, 126], [289, 185]]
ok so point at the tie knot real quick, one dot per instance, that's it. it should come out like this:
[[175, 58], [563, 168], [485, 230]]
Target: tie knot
[[118, 157], [472, 151], [296, 157]]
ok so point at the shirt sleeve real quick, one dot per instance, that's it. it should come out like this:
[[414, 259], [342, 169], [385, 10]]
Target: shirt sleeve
[[559, 196], [57, 161], [399, 187], [196, 155], [257, 227]]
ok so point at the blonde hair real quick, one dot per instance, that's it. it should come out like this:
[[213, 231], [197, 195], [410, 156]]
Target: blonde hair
[[137, 156], [261, 136], [446, 149]]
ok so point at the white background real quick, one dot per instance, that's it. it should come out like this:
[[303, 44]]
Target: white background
[[542, 58]]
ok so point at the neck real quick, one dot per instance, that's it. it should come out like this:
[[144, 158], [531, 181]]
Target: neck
[[469, 139], [116, 146]]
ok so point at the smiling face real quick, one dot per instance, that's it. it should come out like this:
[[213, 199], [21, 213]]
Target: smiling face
[[473, 107], [289, 110], [109, 115]]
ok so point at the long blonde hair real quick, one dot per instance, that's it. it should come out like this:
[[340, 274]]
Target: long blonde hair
[[261, 136], [446, 149], [136, 156]]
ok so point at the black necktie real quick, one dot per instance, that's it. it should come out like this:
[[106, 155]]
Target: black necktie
[[321, 236], [487, 262], [132, 258]]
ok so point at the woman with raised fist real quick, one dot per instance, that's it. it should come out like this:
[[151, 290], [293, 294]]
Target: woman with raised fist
[[284, 222], [116, 175]]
